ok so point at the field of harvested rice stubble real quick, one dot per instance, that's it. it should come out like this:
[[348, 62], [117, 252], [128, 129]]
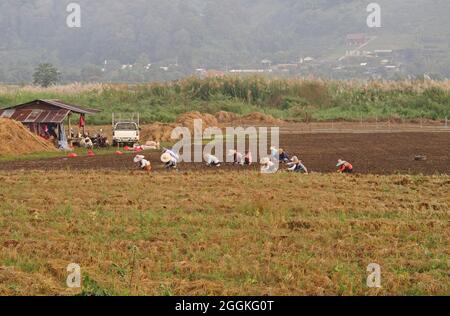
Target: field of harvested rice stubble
[[223, 233]]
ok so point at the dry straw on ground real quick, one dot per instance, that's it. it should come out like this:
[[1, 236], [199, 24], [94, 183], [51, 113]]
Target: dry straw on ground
[[16, 139], [223, 233]]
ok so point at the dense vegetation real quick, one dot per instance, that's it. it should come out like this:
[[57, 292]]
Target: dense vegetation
[[299, 100], [186, 35]]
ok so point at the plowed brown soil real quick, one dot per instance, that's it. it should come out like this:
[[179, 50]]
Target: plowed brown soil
[[370, 154]]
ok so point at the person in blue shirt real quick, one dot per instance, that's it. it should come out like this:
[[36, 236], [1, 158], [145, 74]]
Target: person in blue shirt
[[283, 156]]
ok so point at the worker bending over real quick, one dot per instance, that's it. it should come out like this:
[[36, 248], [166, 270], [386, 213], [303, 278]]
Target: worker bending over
[[248, 158], [267, 166], [143, 163], [212, 161], [344, 166], [274, 154], [297, 165], [169, 161], [283, 156], [171, 153], [238, 158]]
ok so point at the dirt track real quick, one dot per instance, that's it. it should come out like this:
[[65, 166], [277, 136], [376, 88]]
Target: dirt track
[[369, 153]]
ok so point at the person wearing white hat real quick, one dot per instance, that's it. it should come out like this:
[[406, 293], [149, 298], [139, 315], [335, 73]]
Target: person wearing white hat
[[212, 161], [169, 160], [238, 158], [86, 143], [297, 165], [344, 166], [171, 153], [267, 166], [143, 163]]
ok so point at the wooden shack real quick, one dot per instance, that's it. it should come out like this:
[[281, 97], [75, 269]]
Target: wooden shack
[[45, 117]]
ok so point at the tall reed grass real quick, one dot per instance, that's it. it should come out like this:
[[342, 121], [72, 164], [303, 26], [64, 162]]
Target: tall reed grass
[[296, 99]]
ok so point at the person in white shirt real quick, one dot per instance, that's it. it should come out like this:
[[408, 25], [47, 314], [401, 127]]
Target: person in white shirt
[[171, 153], [86, 143], [143, 163], [267, 166], [169, 161], [212, 161]]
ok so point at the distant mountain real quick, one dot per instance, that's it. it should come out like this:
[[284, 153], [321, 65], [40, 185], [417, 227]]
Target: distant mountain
[[183, 35]]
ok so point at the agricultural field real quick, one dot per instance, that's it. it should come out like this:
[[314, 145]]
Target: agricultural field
[[223, 233], [377, 153], [232, 231]]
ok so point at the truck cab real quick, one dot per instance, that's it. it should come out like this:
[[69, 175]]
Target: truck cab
[[125, 132]]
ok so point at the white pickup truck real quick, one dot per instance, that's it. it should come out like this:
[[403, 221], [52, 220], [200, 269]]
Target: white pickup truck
[[125, 132]]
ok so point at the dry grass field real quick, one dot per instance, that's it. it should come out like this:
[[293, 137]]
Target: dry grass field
[[223, 233]]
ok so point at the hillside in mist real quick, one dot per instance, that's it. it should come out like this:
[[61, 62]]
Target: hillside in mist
[[211, 34]]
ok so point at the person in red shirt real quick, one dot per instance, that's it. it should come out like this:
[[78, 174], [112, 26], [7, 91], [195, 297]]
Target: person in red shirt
[[344, 166]]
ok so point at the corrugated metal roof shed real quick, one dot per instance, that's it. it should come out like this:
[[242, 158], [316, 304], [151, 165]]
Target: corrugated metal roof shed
[[53, 103], [36, 116], [71, 107], [44, 111]]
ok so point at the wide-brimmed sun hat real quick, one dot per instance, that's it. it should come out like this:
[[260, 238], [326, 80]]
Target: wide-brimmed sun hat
[[340, 163], [165, 158], [138, 158], [294, 159], [265, 160]]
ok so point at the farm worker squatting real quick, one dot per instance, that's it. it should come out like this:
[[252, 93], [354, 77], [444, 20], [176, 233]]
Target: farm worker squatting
[[143, 163], [248, 159], [240, 159], [279, 154], [344, 166], [297, 165], [170, 158], [172, 153], [284, 157], [169, 161], [267, 166], [212, 161]]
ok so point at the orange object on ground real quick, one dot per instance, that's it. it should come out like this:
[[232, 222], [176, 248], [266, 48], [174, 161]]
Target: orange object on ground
[[72, 155], [119, 153], [91, 153], [148, 168]]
